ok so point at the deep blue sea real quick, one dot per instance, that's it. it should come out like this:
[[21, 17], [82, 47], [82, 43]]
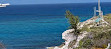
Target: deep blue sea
[[40, 26]]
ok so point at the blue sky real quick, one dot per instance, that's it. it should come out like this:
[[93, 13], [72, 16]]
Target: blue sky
[[14, 2]]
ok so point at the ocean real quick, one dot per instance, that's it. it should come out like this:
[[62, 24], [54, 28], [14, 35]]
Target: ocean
[[40, 26]]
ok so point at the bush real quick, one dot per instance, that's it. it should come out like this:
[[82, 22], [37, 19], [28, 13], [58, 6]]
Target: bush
[[85, 28], [87, 43], [73, 20]]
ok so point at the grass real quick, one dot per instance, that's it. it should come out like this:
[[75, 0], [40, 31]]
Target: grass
[[108, 18], [85, 28], [101, 35]]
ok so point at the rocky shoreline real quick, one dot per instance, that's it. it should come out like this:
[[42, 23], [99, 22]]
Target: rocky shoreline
[[71, 38]]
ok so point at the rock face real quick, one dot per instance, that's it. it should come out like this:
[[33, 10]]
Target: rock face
[[89, 21], [68, 37], [80, 37], [92, 21]]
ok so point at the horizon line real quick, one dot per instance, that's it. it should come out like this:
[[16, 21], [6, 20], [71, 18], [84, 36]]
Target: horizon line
[[60, 3]]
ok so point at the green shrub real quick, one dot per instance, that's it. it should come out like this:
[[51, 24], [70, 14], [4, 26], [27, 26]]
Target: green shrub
[[73, 20], [85, 28], [87, 43]]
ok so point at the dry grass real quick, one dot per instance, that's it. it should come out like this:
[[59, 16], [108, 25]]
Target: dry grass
[[108, 18]]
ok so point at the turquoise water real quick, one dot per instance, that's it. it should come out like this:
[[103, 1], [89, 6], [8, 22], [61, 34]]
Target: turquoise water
[[32, 34], [40, 26]]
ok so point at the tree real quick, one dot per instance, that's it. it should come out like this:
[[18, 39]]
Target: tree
[[73, 21]]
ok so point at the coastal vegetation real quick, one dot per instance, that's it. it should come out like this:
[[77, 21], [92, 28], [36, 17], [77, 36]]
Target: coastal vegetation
[[99, 36], [90, 36], [73, 21]]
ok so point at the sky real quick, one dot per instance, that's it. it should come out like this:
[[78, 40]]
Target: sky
[[18, 2]]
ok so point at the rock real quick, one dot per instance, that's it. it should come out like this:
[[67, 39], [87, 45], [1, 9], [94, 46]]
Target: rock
[[89, 21], [80, 37], [50, 47], [2, 46], [68, 37]]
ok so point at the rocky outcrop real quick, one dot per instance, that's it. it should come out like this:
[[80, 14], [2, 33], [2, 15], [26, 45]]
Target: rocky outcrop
[[72, 41], [2, 46], [69, 37], [80, 37], [89, 21]]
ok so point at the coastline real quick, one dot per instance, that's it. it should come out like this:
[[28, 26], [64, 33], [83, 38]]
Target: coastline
[[67, 36]]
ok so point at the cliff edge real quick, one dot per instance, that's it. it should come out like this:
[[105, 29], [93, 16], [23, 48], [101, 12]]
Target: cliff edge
[[93, 35]]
